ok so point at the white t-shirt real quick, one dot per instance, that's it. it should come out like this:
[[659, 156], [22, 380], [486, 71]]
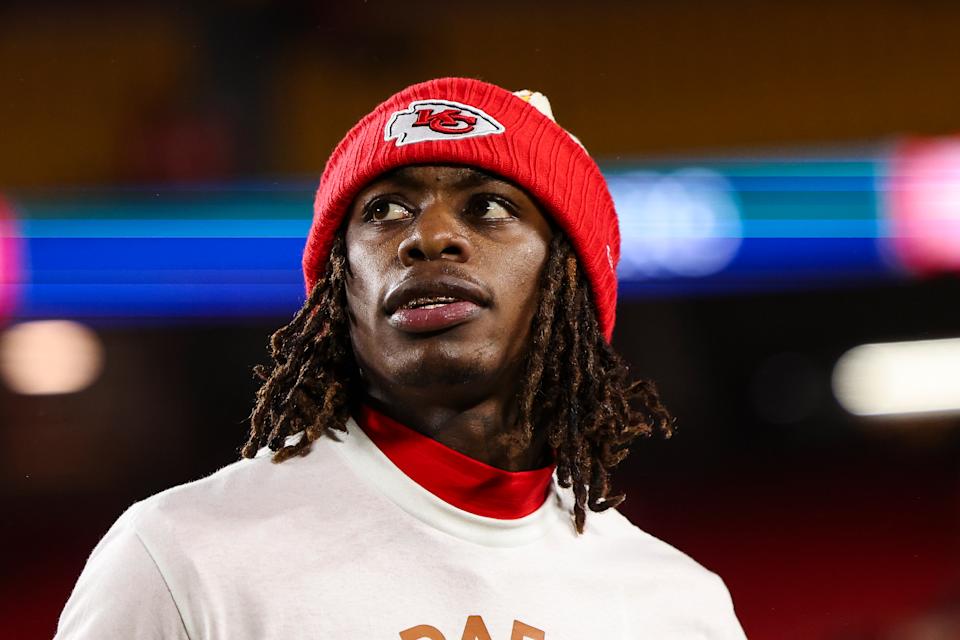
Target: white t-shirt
[[342, 545]]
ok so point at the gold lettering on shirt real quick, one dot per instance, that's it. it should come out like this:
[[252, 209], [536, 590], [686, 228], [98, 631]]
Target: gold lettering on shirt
[[522, 631], [475, 629], [422, 632]]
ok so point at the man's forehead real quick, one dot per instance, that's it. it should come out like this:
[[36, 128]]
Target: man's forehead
[[460, 177]]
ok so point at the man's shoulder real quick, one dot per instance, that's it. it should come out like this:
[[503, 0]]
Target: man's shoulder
[[237, 494], [618, 527], [676, 588], [641, 554], [611, 535]]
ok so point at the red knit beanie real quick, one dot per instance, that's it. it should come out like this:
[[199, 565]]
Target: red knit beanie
[[469, 122]]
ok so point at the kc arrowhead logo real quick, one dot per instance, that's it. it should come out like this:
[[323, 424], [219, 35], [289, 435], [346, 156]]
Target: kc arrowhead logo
[[439, 120]]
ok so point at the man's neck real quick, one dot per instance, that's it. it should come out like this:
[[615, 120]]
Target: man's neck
[[476, 431]]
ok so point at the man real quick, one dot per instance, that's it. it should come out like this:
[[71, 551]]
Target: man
[[451, 360]]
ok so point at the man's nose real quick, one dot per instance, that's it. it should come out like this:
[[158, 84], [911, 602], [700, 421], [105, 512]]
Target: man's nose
[[436, 234]]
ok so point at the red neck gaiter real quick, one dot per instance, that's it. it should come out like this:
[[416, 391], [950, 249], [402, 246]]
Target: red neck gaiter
[[453, 477]]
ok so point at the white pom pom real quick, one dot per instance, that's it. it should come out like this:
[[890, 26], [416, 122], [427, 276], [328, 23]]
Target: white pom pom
[[537, 100], [542, 104]]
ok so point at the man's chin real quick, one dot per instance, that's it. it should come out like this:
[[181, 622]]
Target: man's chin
[[439, 370], [469, 359]]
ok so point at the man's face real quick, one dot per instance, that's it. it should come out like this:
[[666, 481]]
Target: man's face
[[445, 267]]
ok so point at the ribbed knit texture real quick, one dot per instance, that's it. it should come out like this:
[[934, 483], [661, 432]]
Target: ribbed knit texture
[[533, 152]]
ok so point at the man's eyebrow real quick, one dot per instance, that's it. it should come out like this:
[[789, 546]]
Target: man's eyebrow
[[474, 178]]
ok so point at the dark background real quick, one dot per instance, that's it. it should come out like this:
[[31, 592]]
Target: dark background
[[823, 525]]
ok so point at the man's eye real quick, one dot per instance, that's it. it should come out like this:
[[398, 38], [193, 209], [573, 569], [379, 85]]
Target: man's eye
[[489, 208], [384, 210]]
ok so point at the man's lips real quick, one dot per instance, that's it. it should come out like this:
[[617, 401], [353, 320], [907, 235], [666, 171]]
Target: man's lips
[[423, 304], [434, 317]]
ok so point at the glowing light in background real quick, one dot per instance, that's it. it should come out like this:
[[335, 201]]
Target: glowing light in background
[[10, 259], [684, 223], [924, 205], [899, 378], [692, 226], [49, 356]]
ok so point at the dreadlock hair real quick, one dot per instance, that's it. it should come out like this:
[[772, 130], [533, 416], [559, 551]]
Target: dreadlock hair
[[576, 387]]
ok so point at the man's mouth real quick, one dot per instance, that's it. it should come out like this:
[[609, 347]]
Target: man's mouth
[[433, 303], [424, 315], [429, 303]]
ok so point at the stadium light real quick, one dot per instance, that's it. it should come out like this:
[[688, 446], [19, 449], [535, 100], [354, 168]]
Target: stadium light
[[49, 357], [898, 378]]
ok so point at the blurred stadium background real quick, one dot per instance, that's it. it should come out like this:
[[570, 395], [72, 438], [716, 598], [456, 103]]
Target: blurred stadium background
[[789, 190]]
